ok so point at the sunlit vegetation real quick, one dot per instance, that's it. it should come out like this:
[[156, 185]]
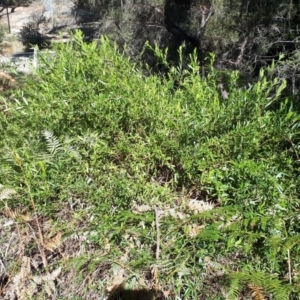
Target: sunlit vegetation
[[181, 189]]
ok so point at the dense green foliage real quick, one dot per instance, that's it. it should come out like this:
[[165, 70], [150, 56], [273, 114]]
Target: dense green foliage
[[91, 126]]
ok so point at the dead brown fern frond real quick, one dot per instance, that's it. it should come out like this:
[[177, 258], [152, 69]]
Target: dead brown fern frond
[[257, 292], [53, 243], [6, 81], [18, 213]]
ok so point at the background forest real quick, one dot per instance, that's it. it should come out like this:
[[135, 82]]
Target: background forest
[[244, 35], [160, 161]]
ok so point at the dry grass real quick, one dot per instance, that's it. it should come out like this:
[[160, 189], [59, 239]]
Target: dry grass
[[10, 47], [23, 274], [21, 244], [10, 44], [6, 81]]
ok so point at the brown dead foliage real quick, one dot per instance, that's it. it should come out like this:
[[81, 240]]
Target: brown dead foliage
[[23, 274], [6, 81]]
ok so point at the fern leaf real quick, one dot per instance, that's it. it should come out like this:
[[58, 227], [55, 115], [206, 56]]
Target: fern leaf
[[53, 243], [18, 213], [269, 284], [71, 150], [235, 289], [6, 193], [257, 292], [53, 143], [291, 242]]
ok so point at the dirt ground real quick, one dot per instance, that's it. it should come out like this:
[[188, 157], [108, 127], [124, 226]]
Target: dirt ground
[[62, 15], [20, 16], [62, 18]]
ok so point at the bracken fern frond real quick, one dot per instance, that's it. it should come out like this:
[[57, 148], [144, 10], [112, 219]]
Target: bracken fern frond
[[291, 242], [268, 283], [257, 292], [235, 289], [6, 193], [53, 144]]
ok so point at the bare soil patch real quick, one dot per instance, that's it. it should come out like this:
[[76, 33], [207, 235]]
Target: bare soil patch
[[20, 16], [53, 26]]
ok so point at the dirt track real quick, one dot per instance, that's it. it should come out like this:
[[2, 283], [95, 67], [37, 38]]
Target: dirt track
[[62, 16], [20, 16]]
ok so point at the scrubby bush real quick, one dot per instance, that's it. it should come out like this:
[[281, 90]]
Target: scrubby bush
[[29, 35], [223, 173]]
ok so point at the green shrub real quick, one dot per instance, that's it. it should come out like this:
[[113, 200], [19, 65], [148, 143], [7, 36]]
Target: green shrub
[[29, 35], [91, 125]]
